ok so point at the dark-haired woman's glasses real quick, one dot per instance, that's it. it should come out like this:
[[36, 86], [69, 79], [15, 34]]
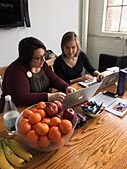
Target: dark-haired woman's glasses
[[39, 58]]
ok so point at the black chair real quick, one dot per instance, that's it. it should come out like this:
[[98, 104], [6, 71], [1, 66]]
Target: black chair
[[122, 62], [106, 61]]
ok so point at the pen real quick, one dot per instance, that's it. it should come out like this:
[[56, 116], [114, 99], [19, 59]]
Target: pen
[[111, 103], [101, 104]]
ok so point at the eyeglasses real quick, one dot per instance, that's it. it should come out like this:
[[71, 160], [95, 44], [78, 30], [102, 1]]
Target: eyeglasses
[[39, 58]]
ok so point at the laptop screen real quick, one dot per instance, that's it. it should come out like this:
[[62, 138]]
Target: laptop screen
[[80, 96]]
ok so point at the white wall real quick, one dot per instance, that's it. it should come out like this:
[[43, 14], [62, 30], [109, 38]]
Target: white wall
[[50, 19], [97, 41]]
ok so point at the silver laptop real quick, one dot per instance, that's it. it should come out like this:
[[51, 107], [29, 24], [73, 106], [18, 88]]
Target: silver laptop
[[107, 81], [80, 96]]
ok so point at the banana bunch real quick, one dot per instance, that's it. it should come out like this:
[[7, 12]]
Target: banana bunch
[[4, 164], [11, 157], [12, 154], [18, 149]]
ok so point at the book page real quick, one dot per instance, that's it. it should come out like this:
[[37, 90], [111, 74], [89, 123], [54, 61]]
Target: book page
[[117, 107]]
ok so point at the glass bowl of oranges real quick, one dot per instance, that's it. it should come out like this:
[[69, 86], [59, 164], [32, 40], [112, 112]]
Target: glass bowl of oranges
[[46, 126]]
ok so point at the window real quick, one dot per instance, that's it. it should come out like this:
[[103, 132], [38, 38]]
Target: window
[[115, 17]]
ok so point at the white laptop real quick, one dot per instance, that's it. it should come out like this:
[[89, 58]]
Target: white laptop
[[107, 81], [80, 96]]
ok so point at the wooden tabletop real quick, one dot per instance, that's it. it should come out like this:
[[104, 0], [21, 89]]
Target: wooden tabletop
[[100, 144]]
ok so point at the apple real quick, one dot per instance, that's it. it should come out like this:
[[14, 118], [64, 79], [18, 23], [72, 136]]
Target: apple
[[69, 114], [51, 109], [59, 104]]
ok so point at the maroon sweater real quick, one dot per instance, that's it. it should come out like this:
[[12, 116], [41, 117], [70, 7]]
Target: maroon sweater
[[17, 84]]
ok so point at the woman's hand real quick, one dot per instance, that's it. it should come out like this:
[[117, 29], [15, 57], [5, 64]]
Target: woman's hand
[[56, 96], [100, 77], [87, 77], [70, 89]]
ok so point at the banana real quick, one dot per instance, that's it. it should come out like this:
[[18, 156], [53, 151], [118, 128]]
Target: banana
[[11, 156], [18, 149], [4, 164]]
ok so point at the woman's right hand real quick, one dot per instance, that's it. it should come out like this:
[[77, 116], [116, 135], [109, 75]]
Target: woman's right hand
[[56, 96], [87, 77]]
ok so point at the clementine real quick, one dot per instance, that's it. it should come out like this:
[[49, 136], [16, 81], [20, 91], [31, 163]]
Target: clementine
[[55, 121], [34, 118], [34, 126], [41, 105], [34, 144], [27, 113], [24, 119], [46, 120], [32, 135], [54, 133], [65, 126], [33, 109], [44, 141], [24, 127], [42, 128], [41, 112], [60, 141]]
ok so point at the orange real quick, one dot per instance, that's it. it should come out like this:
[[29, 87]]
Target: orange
[[27, 113], [55, 121], [54, 133], [41, 112], [41, 105], [34, 118], [46, 120], [34, 126], [42, 128], [24, 119], [60, 141], [32, 135], [33, 109], [34, 144], [65, 126], [24, 127], [44, 141]]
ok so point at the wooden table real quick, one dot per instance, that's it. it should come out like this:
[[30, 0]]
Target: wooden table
[[100, 144]]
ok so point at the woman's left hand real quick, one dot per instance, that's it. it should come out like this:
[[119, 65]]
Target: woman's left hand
[[70, 89], [100, 77]]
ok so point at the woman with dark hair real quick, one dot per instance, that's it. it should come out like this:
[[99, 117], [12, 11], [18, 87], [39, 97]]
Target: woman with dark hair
[[29, 78], [69, 65]]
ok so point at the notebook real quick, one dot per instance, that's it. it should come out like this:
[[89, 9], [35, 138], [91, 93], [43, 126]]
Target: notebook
[[107, 81], [80, 96]]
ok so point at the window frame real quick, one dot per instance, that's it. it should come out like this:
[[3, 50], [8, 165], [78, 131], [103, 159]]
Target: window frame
[[110, 33]]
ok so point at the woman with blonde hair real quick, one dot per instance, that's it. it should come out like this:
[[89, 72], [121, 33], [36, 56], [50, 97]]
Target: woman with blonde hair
[[69, 65]]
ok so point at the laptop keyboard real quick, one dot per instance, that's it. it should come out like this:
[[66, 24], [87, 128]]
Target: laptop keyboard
[[90, 84]]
